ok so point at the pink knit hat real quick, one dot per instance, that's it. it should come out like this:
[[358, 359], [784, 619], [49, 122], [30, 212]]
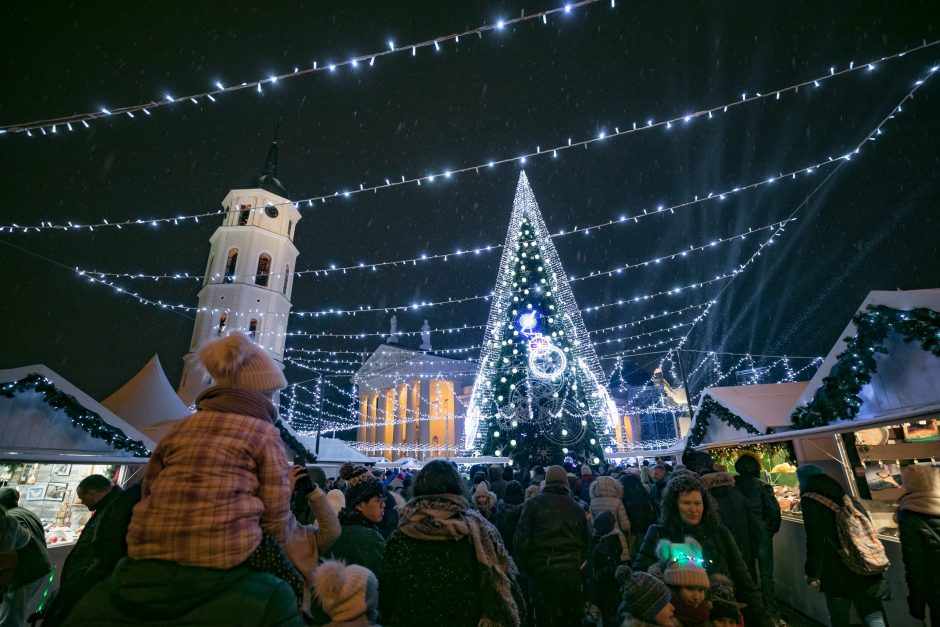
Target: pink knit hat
[[236, 361]]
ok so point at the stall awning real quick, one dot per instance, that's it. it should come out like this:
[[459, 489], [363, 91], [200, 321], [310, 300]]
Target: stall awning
[[147, 399], [333, 450], [78, 426]]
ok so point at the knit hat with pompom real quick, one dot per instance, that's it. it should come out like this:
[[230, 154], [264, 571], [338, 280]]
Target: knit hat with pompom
[[236, 361], [346, 592], [722, 597], [643, 594], [683, 565], [362, 485]]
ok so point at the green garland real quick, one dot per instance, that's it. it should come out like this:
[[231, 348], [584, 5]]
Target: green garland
[[295, 445], [88, 421], [709, 408], [838, 399]]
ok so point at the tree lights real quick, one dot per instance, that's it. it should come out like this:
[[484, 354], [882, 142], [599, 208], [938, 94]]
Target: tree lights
[[539, 390]]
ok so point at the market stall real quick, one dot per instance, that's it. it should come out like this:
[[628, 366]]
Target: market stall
[[53, 435], [872, 407]]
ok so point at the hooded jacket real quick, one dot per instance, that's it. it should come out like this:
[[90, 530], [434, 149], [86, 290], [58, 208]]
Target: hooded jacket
[[607, 496], [822, 546], [920, 536], [552, 533], [152, 592], [735, 512]]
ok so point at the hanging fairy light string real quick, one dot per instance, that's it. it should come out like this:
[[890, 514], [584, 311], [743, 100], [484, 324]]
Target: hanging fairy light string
[[871, 136], [74, 225], [80, 120]]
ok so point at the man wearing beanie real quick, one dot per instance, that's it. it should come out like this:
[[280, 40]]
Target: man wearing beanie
[[551, 546], [360, 541], [646, 601], [348, 594], [215, 497]]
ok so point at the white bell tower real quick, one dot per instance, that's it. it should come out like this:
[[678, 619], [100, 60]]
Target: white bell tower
[[249, 277]]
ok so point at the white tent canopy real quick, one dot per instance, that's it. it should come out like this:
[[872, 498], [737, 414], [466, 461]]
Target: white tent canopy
[[333, 450], [907, 382], [765, 407], [148, 398], [32, 430]]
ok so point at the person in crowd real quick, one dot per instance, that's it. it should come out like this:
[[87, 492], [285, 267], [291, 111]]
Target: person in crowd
[[725, 611], [647, 601], [641, 510], [919, 523], [478, 478], [390, 517], [446, 564], [532, 490], [734, 511], [688, 510], [658, 474], [336, 499], [551, 546], [587, 475], [607, 549], [100, 546], [349, 595], [507, 513], [406, 486], [646, 475], [24, 591], [14, 540], [766, 513], [215, 511], [607, 496], [498, 481], [484, 501], [538, 475], [576, 488], [825, 569], [681, 567], [360, 541]]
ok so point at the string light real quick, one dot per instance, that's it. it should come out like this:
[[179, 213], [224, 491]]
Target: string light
[[148, 107], [845, 159], [389, 182]]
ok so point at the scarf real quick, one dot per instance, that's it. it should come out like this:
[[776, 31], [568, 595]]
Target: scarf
[[232, 400], [691, 615], [446, 517]]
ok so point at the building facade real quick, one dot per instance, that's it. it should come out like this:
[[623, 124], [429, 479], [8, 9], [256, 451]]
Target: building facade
[[249, 275]]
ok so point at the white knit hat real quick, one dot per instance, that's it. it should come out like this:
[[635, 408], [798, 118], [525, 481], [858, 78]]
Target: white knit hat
[[346, 592], [237, 361]]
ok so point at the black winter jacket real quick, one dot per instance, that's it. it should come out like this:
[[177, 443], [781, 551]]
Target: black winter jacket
[[721, 555], [760, 496], [920, 546], [822, 546], [552, 533], [506, 519], [735, 513]]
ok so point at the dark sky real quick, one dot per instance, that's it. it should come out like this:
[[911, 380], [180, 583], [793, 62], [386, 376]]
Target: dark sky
[[874, 225]]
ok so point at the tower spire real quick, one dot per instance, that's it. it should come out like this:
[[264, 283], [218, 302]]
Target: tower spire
[[268, 179]]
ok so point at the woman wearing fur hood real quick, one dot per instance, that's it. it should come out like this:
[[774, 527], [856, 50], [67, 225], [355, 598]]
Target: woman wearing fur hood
[[607, 496]]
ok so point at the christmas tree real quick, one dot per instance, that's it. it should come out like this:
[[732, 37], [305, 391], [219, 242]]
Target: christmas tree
[[539, 396]]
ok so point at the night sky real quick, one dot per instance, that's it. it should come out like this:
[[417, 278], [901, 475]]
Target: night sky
[[872, 226]]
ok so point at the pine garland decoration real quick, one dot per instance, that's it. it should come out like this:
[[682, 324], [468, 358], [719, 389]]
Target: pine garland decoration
[[295, 445], [838, 399], [88, 421], [710, 407]]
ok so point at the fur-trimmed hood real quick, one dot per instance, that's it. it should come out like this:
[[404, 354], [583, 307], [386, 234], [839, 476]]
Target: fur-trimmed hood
[[718, 480]]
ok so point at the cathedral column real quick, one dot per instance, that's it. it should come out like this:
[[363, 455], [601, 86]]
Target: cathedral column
[[363, 419], [373, 410], [411, 426], [401, 416], [424, 426], [388, 415]]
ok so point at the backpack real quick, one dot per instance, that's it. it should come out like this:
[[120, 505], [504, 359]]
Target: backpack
[[859, 547]]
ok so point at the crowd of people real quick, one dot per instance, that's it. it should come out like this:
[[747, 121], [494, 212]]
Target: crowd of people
[[222, 531]]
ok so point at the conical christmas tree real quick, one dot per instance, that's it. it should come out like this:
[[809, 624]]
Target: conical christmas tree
[[539, 396]]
